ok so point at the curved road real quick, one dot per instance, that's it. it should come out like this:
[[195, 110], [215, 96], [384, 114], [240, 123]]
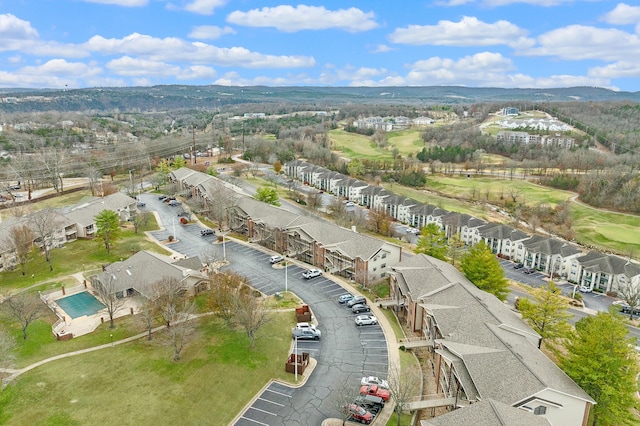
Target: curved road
[[344, 354]]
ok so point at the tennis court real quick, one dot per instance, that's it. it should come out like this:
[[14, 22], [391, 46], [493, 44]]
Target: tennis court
[[80, 304]]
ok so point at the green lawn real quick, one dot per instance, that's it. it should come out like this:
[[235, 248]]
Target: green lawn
[[137, 383], [80, 255], [353, 145], [407, 141]]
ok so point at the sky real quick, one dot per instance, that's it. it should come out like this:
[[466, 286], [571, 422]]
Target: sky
[[473, 43]]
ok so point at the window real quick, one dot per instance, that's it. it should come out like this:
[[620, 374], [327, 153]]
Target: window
[[384, 265], [540, 410], [384, 255], [375, 269]]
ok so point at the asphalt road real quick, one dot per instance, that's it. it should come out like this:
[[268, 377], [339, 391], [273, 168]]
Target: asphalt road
[[344, 354]]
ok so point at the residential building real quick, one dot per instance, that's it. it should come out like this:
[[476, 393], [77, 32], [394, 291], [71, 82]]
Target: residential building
[[480, 349], [548, 255], [603, 272], [83, 214]]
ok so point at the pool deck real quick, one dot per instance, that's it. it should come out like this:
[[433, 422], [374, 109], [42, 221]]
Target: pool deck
[[87, 323]]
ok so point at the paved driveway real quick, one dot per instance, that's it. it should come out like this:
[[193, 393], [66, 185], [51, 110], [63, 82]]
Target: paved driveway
[[344, 354]]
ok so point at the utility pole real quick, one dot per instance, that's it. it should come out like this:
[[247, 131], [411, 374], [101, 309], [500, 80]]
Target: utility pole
[[193, 138]]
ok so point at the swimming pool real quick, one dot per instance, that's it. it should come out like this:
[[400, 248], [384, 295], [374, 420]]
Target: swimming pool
[[80, 304]]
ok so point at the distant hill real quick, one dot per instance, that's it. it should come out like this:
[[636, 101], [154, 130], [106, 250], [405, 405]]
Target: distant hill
[[163, 98]]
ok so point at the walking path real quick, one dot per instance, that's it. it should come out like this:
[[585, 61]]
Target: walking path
[[13, 373]]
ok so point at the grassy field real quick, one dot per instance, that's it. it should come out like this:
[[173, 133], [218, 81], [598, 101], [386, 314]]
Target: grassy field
[[137, 383], [353, 145]]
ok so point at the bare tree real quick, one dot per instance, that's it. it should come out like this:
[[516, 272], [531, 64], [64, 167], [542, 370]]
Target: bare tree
[[53, 166], [147, 315], [182, 327], [630, 294], [45, 224], [175, 308], [380, 221], [21, 240], [250, 313], [221, 300], [514, 193], [343, 398], [314, 200], [404, 386], [140, 219], [108, 291], [24, 308]]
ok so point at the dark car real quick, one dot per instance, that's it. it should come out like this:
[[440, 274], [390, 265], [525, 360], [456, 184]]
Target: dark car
[[162, 197], [141, 204], [205, 232], [518, 266], [356, 300], [360, 307], [528, 271]]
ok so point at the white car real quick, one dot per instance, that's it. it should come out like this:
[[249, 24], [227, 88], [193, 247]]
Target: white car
[[305, 326], [311, 273], [585, 289], [372, 380], [276, 259], [366, 320], [349, 204], [413, 231]]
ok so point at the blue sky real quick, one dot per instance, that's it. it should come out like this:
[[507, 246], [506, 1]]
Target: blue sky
[[475, 43]]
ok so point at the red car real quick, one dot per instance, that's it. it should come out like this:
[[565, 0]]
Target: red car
[[375, 390], [358, 414]]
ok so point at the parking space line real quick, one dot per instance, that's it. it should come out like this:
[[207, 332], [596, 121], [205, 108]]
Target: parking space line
[[263, 411], [278, 393], [254, 421], [271, 402]]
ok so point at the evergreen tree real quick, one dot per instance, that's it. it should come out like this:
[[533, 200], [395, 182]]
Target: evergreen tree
[[482, 268], [432, 242], [267, 195], [601, 360]]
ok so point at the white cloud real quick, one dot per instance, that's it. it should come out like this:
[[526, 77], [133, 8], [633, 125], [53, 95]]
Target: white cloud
[[175, 49], [61, 67], [579, 42], [469, 31], [210, 32], [381, 48], [129, 66], [202, 7], [622, 69], [125, 3], [197, 72], [623, 14], [12, 28], [291, 19]]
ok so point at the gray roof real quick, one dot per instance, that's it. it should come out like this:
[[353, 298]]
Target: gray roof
[[502, 232], [194, 263], [427, 210], [613, 265], [182, 173], [494, 351], [550, 246], [487, 413], [84, 213], [143, 269]]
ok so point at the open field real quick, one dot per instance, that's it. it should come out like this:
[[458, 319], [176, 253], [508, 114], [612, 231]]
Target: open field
[[137, 383], [406, 141], [352, 145]]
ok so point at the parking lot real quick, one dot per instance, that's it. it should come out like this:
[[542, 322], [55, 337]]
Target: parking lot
[[345, 352]]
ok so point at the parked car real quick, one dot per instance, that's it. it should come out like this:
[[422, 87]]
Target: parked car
[[168, 199], [162, 197], [358, 413], [585, 289], [518, 266], [174, 203], [349, 204], [370, 403], [356, 300], [306, 333], [413, 231], [373, 380], [276, 259], [305, 326], [375, 390], [366, 319], [140, 204], [184, 214], [311, 273], [360, 307], [528, 270], [345, 298], [205, 232]]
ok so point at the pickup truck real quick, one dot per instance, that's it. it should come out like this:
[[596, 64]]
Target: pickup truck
[[375, 390]]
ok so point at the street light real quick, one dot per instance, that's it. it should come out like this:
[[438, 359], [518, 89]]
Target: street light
[[111, 337], [296, 358]]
